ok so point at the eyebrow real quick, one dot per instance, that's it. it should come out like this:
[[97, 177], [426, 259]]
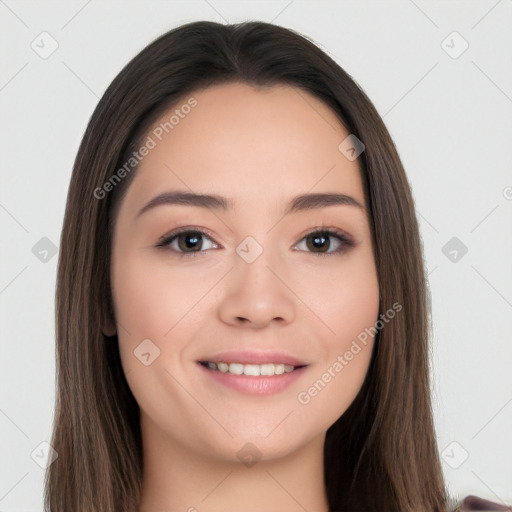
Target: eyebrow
[[298, 203]]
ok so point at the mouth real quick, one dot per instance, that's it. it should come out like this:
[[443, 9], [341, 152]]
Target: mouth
[[251, 370]]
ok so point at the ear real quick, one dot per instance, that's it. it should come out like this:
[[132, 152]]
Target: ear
[[107, 320], [108, 325], [109, 329]]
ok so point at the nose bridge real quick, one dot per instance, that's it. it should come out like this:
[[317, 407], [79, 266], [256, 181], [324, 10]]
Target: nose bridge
[[255, 292], [256, 266]]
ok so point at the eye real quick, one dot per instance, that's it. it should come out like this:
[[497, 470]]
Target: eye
[[318, 240], [189, 241], [186, 241]]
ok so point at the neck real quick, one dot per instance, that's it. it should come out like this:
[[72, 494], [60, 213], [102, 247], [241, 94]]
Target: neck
[[176, 478]]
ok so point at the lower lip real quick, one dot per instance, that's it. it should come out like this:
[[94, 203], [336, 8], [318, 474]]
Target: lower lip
[[262, 385]]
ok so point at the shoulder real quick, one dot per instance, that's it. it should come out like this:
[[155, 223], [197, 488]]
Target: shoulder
[[474, 503]]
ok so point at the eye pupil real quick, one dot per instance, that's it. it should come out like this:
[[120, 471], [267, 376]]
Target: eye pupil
[[191, 241], [318, 242]]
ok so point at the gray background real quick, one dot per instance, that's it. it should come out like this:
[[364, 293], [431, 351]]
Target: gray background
[[448, 110]]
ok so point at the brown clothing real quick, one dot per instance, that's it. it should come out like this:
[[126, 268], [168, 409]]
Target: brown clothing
[[474, 503]]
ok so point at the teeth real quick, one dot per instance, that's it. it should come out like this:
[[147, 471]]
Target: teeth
[[251, 369], [254, 370], [236, 368], [223, 367], [267, 369]]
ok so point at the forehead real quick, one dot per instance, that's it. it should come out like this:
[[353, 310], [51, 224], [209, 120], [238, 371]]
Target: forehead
[[255, 145]]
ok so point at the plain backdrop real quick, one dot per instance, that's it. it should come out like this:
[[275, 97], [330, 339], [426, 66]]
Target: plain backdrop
[[440, 75]]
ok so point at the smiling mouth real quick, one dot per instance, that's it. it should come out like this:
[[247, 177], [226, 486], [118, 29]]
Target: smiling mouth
[[252, 370]]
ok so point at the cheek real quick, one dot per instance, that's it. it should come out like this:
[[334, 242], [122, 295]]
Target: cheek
[[349, 307], [354, 318], [150, 299], [338, 378], [345, 297], [140, 299], [164, 305], [148, 304]]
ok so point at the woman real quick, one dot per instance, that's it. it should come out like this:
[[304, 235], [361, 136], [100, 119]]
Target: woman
[[211, 354]]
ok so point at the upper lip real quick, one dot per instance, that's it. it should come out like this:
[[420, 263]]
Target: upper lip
[[253, 357]]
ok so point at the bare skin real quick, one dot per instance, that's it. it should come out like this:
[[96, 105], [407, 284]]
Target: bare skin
[[259, 148]]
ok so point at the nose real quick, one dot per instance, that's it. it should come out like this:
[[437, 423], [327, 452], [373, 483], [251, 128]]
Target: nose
[[257, 294]]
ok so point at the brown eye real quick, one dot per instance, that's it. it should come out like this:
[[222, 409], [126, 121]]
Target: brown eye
[[320, 242], [190, 240], [187, 242]]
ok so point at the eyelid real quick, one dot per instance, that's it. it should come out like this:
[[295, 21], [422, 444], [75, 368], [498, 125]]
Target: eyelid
[[345, 239], [165, 240]]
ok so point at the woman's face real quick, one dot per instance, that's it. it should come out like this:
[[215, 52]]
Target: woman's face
[[259, 284]]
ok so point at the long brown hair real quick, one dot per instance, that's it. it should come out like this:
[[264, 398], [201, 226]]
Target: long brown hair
[[381, 454]]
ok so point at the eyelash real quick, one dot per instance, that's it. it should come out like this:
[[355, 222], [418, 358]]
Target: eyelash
[[346, 241]]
